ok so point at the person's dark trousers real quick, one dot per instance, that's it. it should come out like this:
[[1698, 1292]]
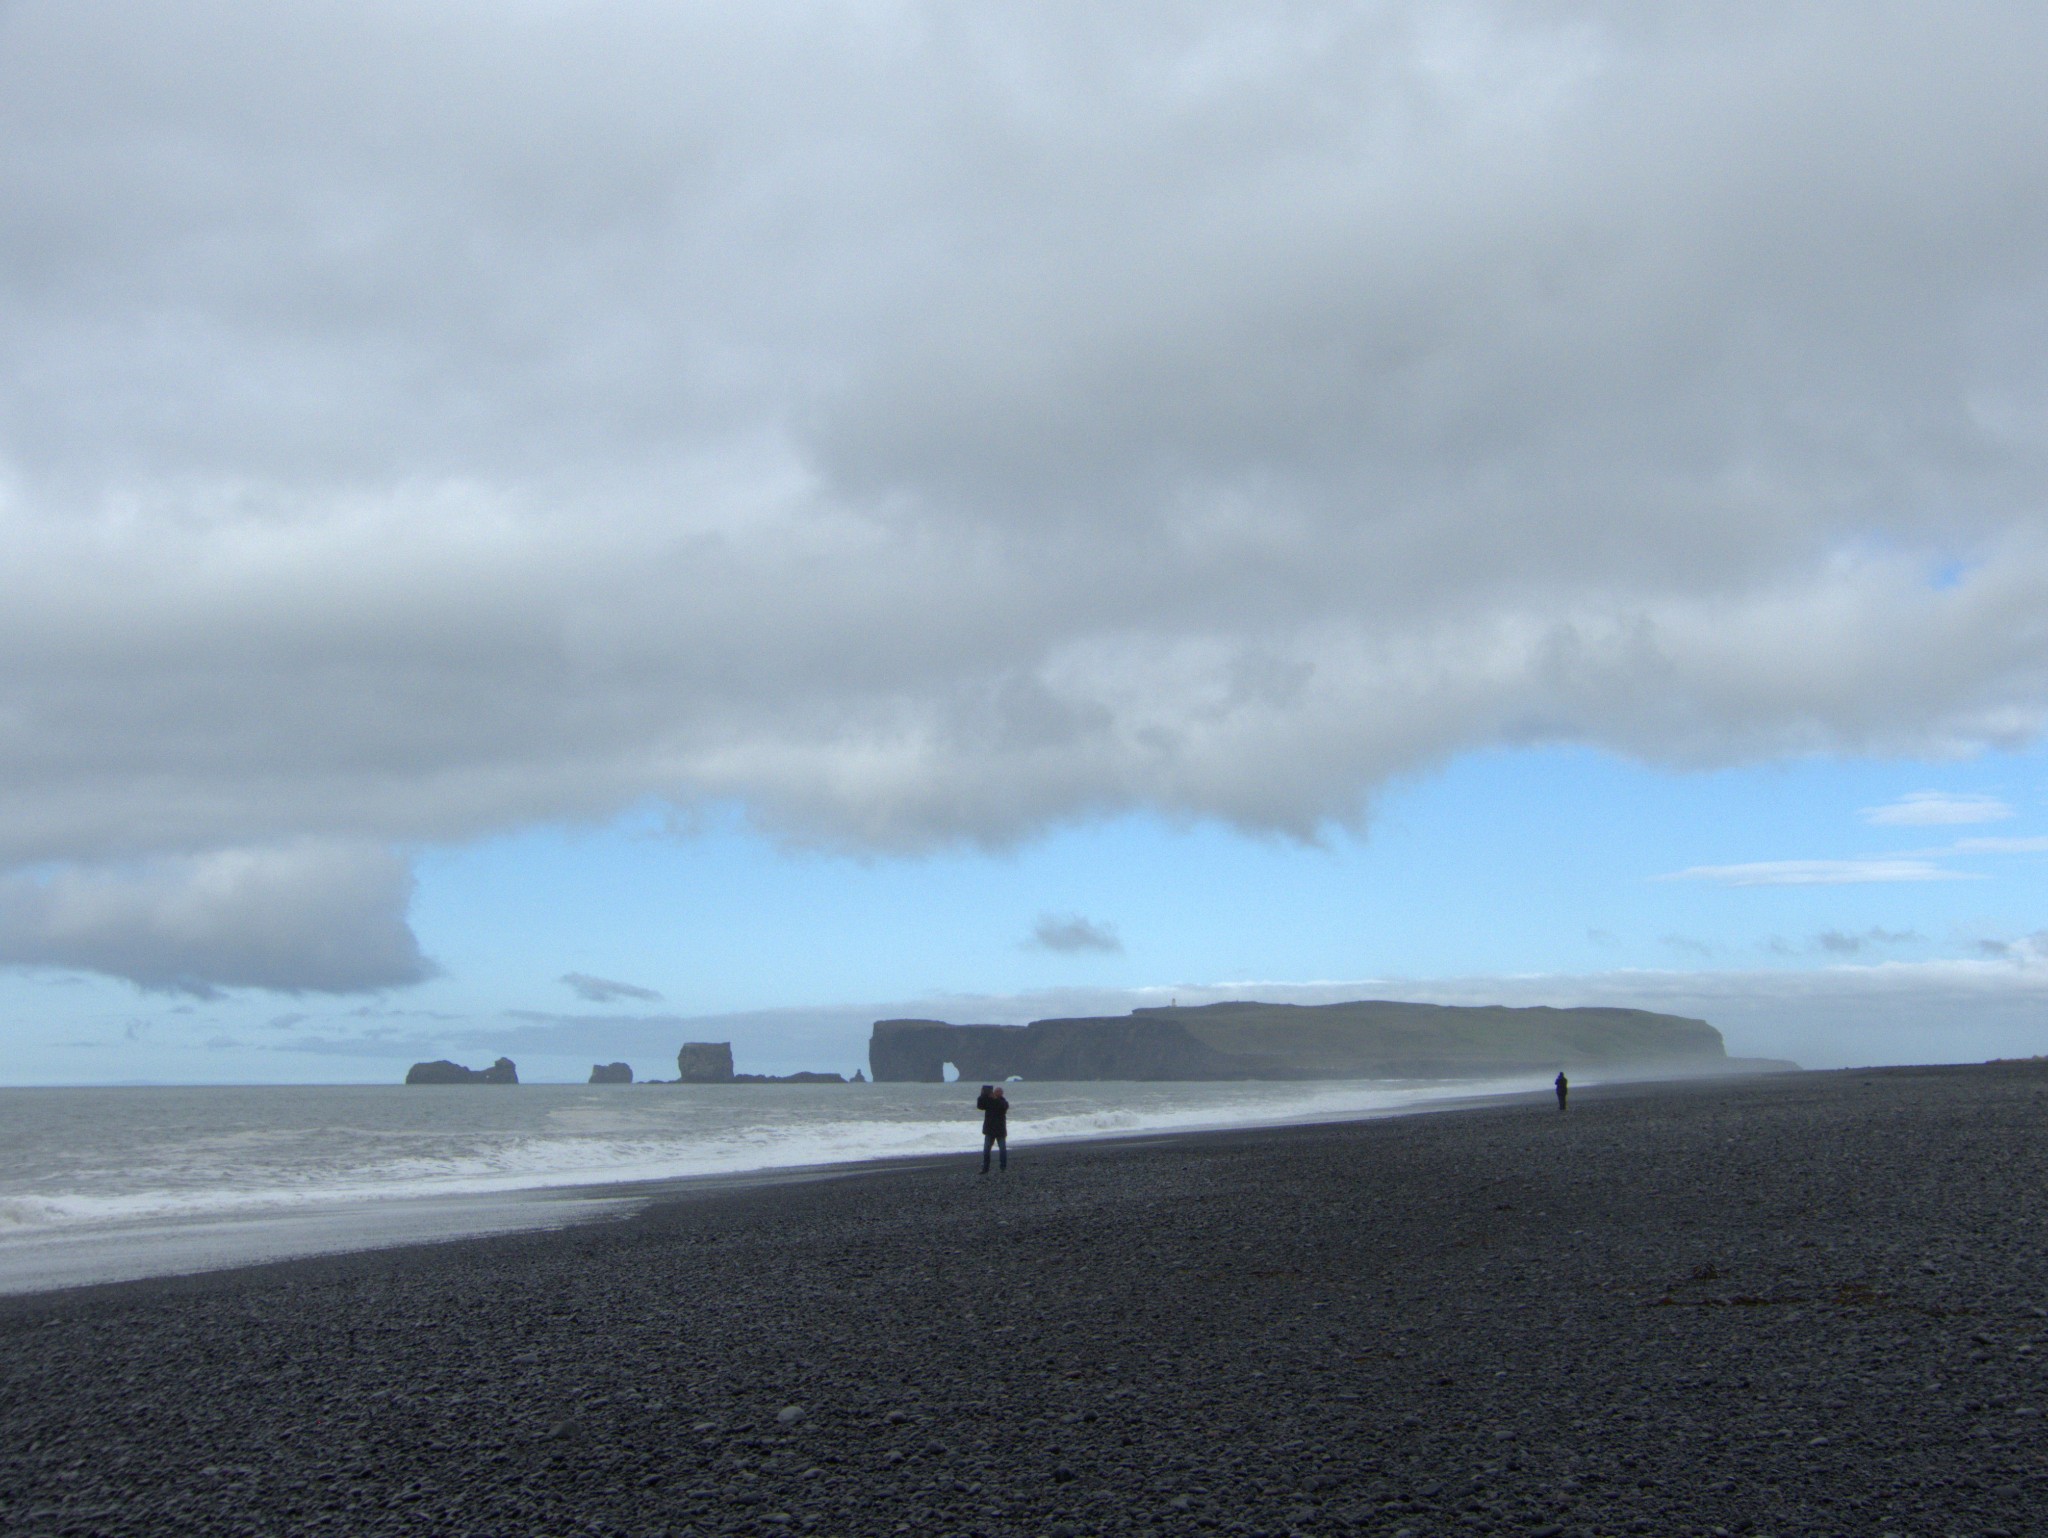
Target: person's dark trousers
[[993, 1140]]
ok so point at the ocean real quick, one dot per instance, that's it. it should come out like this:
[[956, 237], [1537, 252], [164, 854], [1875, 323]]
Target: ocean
[[111, 1184]]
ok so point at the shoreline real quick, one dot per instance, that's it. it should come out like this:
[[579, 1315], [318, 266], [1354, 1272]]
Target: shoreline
[[1784, 1305], [1799, 1304], [604, 1205], [62, 1258]]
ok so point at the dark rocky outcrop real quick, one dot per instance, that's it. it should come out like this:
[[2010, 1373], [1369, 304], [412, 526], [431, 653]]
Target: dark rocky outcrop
[[704, 1062], [441, 1071], [611, 1073], [1249, 1040]]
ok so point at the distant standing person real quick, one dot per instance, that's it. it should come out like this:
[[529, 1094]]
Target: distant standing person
[[995, 1125], [1563, 1087]]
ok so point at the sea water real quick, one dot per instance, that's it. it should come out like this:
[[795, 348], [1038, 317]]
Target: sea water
[[106, 1184]]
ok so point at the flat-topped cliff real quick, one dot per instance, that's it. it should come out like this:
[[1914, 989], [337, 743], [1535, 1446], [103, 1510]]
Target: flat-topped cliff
[[1369, 1039]]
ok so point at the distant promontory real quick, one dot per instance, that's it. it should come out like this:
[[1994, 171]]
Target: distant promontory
[[1370, 1039]]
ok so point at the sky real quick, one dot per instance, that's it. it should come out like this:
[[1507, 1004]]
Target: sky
[[560, 528]]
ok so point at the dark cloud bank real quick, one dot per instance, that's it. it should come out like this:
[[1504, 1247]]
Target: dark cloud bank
[[306, 918], [926, 425]]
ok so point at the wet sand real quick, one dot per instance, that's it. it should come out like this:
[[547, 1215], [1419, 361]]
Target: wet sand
[[1814, 1303]]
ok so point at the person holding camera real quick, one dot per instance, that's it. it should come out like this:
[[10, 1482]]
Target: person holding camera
[[995, 1125]]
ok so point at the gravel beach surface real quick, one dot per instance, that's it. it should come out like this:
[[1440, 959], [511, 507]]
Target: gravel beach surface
[[1811, 1303]]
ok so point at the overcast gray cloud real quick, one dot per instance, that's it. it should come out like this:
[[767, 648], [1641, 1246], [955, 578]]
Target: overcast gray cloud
[[926, 424], [313, 918]]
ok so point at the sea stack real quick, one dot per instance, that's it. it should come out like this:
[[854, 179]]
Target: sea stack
[[704, 1062], [441, 1071], [611, 1073]]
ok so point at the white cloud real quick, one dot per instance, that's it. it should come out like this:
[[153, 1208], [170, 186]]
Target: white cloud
[[1930, 808], [1878, 868], [304, 918], [1920, 865], [417, 421]]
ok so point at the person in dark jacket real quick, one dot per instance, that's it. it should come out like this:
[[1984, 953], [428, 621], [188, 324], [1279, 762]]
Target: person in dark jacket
[[1563, 1088], [995, 1124]]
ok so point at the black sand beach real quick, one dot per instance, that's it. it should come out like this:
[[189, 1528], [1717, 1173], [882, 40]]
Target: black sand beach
[[1807, 1304]]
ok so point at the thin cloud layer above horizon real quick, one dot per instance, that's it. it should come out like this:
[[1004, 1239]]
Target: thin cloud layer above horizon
[[925, 429]]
